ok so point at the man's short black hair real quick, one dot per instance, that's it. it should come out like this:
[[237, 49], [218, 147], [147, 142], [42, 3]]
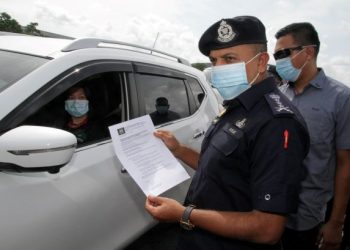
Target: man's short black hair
[[162, 101], [302, 33]]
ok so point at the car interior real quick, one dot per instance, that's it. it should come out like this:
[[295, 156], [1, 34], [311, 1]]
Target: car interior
[[104, 92]]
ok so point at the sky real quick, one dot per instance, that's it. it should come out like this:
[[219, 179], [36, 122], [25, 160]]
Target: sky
[[180, 23]]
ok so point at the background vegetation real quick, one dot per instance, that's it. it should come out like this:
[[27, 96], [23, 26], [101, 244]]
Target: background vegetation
[[8, 24]]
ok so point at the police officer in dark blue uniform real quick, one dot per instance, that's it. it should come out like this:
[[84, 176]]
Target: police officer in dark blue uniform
[[249, 170]]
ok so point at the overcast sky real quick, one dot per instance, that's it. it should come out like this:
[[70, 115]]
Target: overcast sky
[[180, 23]]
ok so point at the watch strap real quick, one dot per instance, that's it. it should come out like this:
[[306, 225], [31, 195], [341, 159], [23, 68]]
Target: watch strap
[[185, 219]]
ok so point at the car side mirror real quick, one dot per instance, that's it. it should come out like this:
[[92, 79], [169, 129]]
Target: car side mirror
[[36, 149]]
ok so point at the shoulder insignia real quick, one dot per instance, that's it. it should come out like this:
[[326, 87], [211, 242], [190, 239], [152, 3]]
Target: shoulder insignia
[[241, 123], [283, 88], [278, 105]]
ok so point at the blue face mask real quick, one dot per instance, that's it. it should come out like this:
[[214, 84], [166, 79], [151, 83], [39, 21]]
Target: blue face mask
[[231, 79], [286, 70], [77, 108]]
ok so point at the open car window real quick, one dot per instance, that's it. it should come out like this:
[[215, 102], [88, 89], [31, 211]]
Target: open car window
[[103, 92]]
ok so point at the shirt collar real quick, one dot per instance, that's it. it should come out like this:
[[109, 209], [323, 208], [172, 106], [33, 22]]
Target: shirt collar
[[252, 95], [317, 82]]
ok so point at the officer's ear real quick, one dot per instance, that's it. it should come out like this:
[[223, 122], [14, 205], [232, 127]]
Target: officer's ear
[[263, 61]]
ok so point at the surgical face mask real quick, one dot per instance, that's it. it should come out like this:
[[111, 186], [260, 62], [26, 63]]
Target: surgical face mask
[[231, 79], [162, 109], [77, 108], [286, 70]]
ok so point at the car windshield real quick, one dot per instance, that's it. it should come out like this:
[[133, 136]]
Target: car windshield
[[14, 66]]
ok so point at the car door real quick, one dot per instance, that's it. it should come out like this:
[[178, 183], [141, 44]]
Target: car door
[[92, 203]]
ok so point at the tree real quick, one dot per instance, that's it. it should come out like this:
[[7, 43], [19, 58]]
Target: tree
[[8, 24], [31, 29], [11, 25], [200, 66]]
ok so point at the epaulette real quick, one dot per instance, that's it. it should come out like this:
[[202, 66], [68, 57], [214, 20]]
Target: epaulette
[[278, 104]]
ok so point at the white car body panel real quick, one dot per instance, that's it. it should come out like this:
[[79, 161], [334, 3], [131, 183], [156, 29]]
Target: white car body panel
[[90, 203]]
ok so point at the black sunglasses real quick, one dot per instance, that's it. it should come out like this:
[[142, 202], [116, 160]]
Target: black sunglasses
[[283, 53]]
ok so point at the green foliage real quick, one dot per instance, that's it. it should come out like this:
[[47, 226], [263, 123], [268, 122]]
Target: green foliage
[[31, 29], [11, 25], [8, 24], [200, 66]]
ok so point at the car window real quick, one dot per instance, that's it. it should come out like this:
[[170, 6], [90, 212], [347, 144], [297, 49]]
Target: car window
[[14, 66], [86, 109], [164, 98]]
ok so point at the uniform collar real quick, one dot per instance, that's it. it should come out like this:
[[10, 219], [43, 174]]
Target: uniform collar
[[252, 95]]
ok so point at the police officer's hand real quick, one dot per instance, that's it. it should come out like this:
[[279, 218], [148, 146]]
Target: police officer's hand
[[330, 236], [169, 139], [164, 209]]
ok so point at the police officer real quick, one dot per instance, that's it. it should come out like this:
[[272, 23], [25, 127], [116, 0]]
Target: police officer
[[250, 165]]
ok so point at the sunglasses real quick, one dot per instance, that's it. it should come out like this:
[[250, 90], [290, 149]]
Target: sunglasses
[[283, 53]]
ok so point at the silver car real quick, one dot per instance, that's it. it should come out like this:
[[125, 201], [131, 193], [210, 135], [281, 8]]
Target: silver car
[[60, 194]]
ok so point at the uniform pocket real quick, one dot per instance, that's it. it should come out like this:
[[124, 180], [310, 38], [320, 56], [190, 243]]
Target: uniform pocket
[[227, 140]]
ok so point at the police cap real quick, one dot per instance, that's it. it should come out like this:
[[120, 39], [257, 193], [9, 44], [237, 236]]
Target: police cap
[[232, 32]]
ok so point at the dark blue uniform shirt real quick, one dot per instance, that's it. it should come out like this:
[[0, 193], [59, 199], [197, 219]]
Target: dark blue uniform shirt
[[251, 159]]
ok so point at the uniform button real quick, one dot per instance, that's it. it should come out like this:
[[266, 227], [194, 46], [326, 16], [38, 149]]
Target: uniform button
[[267, 197]]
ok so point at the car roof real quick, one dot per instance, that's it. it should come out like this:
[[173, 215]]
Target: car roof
[[53, 47], [40, 46]]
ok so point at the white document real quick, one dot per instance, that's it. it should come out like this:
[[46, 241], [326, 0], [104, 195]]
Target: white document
[[146, 158]]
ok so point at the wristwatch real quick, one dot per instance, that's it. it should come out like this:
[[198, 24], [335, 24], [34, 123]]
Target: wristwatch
[[185, 219]]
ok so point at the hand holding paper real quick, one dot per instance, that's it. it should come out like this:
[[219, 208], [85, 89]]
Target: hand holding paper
[[145, 157]]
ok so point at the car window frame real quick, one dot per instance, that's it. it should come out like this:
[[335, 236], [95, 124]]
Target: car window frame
[[193, 104], [59, 85], [149, 69]]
